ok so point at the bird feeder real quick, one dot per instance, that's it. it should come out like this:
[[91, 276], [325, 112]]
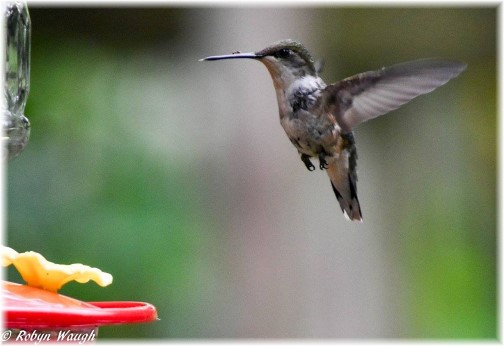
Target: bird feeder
[[35, 312], [36, 315]]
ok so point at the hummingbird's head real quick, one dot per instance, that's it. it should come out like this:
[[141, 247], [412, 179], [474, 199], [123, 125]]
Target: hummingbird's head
[[287, 56], [286, 60]]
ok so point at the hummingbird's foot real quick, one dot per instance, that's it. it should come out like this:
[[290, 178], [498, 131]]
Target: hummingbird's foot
[[306, 160], [323, 162]]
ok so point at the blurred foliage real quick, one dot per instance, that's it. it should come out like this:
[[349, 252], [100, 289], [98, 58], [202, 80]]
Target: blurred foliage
[[90, 188], [89, 193]]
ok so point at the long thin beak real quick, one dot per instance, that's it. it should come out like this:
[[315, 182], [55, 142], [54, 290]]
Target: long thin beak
[[232, 56]]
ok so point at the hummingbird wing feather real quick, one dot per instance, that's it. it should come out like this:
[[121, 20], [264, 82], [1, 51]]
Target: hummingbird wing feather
[[370, 94]]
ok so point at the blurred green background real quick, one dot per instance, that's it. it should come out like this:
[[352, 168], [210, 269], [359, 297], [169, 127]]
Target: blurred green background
[[175, 175]]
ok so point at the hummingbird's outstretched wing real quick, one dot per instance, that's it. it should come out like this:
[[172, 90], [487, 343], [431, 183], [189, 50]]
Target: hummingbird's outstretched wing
[[370, 94]]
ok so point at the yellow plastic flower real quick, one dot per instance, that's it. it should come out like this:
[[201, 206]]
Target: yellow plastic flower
[[39, 272]]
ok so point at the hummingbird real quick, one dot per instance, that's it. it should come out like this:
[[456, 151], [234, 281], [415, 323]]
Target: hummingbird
[[319, 119]]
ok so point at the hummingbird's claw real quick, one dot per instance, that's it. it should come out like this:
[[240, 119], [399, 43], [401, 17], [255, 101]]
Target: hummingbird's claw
[[323, 163], [306, 160]]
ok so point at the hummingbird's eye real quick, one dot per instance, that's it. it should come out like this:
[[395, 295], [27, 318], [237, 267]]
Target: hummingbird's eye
[[283, 53]]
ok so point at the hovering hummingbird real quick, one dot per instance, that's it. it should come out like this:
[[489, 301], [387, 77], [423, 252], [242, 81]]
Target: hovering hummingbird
[[319, 119]]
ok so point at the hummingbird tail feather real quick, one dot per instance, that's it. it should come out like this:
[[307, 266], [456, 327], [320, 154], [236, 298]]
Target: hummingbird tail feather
[[350, 205], [342, 171]]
